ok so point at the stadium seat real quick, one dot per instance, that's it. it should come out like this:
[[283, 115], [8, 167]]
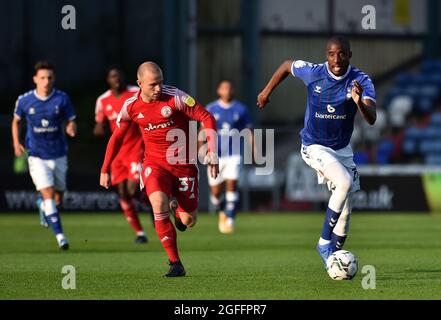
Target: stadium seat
[[433, 159], [432, 132], [409, 146], [435, 120], [384, 152], [431, 146]]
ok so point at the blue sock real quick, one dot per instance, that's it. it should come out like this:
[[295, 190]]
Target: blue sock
[[329, 224], [230, 209], [232, 200], [55, 222], [338, 241]]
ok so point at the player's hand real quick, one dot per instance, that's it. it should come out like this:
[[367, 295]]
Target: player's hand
[[356, 92], [212, 161], [105, 180], [262, 100], [71, 128], [19, 150]]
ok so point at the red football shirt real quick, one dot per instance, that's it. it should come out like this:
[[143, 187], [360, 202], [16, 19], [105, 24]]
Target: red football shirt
[[165, 125], [107, 108]]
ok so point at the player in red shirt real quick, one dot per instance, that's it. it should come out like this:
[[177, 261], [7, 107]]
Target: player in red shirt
[[126, 167], [169, 170]]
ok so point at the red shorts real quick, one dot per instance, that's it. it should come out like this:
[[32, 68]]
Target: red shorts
[[179, 181], [124, 168]]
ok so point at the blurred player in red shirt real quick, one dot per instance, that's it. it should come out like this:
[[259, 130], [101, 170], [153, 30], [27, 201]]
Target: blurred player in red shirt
[[169, 169], [126, 167]]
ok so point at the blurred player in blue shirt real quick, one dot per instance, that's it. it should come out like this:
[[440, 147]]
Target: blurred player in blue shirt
[[336, 91], [232, 122], [45, 110]]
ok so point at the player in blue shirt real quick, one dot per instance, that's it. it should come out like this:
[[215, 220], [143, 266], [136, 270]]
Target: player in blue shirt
[[336, 91], [232, 122], [45, 110]]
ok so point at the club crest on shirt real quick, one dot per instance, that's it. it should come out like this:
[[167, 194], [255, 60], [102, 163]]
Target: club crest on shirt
[[330, 108], [166, 111], [189, 101], [147, 171], [31, 110], [44, 123]]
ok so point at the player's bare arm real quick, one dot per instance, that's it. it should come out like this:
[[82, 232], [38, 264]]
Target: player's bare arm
[[113, 147], [366, 107], [18, 147], [99, 130], [71, 128], [281, 73]]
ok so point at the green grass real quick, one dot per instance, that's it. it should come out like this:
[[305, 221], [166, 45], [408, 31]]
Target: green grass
[[271, 256]]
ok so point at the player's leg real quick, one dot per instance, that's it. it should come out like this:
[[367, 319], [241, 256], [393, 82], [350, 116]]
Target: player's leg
[[166, 232], [231, 174], [158, 184], [126, 192], [186, 192], [43, 173], [341, 229], [232, 200], [341, 180], [325, 162], [60, 172]]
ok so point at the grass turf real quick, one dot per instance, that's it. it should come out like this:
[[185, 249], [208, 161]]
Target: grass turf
[[271, 256]]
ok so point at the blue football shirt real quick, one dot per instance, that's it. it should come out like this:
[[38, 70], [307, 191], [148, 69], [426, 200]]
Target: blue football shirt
[[230, 120], [45, 136], [330, 110]]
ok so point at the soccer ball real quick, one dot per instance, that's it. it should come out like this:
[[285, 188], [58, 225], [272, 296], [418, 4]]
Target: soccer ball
[[342, 265]]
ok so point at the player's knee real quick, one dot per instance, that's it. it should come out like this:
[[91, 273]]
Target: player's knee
[[345, 184], [188, 219]]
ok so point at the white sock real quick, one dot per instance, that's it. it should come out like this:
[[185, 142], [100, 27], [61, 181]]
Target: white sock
[[230, 221], [140, 233], [323, 241], [60, 237]]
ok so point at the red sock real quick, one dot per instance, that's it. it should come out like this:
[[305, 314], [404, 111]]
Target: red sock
[[131, 215], [167, 235]]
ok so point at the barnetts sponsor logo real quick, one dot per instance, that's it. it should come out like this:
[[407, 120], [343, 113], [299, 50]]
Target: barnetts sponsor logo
[[330, 116]]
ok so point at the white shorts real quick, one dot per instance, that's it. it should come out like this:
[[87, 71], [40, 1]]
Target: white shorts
[[48, 173], [229, 169], [319, 157]]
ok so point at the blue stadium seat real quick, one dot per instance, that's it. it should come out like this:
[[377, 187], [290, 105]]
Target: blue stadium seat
[[384, 152], [414, 133], [433, 159], [409, 146], [435, 120], [432, 132], [431, 66], [430, 146]]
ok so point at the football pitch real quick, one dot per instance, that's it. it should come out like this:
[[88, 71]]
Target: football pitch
[[270, 256]]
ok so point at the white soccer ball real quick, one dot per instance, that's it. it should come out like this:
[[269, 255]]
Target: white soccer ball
[[342, 265]]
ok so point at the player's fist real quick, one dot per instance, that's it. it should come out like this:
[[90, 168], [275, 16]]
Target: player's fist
[[356, 91], [19, 150], [105, 180], [71, 128], [262, 99], [212, 161]]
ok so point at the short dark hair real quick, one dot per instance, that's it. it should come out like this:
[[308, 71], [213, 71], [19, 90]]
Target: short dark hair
[[116, 67], [225, 80], [43, 65], [343, 41]]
